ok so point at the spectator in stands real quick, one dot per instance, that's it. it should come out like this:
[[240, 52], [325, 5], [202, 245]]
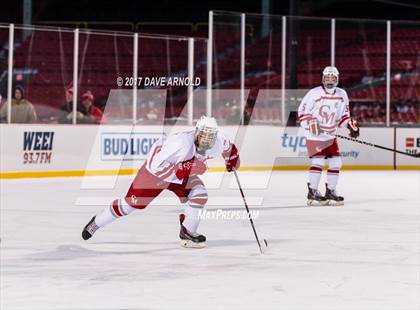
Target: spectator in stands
[[67, 107], [91, 113], [22, 110], [152, 112], [233, 116]]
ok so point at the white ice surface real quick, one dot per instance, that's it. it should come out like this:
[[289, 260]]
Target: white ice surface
[[364, 255]]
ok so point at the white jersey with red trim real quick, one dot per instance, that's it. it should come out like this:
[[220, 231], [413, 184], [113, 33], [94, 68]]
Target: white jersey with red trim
[[167, 152], [331, 111]]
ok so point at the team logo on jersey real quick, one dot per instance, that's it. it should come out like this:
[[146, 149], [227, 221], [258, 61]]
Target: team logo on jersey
[[133, 200], [326, 115]]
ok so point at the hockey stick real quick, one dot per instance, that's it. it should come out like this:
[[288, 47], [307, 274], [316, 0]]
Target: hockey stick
[[378, 146], [249, 216]]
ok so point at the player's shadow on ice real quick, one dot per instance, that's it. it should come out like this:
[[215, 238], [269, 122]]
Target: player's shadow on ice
[[214, 243], [127, 242], [235, 242], [70, 252], [73, 252]]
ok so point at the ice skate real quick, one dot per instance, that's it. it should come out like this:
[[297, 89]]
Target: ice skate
[[89, 229], [190, 239], [315, 198], [332, 198]]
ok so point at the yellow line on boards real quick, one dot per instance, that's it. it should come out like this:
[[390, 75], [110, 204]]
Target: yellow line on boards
[[81, 173], [408, 167]]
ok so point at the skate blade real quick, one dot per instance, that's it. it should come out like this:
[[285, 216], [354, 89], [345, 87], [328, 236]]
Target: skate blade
[[315, 203], [335, 203], [192, 245]]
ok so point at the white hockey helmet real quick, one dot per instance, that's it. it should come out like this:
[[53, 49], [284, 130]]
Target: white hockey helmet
[[205, 133], [330, 78]]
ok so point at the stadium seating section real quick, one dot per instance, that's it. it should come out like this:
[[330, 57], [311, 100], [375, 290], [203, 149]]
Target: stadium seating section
[[48, 55]]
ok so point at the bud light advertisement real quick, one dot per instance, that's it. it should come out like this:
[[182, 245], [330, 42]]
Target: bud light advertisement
[[126, 146]]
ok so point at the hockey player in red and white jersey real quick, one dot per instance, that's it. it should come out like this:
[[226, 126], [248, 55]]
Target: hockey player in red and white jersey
[[174, 163], [321, 112]]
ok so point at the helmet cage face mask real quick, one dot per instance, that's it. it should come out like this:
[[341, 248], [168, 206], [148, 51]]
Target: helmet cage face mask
[[330, 78], [205, 139], [330, 81]]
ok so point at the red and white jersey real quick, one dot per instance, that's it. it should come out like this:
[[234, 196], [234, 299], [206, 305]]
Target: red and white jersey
[[331, 111], [167, 152]]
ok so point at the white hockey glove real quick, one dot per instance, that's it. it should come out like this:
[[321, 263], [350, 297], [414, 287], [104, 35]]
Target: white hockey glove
[[314, 126]]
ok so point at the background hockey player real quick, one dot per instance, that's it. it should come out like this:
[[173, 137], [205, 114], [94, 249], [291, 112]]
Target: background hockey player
[[174, 163], [321, 112]]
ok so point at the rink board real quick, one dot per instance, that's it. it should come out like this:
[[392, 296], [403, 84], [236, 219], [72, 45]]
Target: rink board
[[66, 150]]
